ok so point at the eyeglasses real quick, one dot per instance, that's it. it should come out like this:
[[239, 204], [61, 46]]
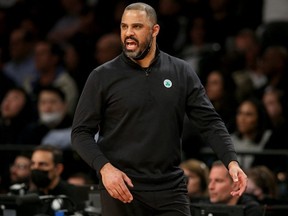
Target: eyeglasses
[[20, 166]]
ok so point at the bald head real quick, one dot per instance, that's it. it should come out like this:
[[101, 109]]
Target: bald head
[[151, 13]]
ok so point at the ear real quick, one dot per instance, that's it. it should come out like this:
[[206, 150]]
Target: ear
[[156, 29], [59, 168]]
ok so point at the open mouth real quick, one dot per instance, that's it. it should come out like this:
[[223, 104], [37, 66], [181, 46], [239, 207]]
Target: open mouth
[[131, 44]]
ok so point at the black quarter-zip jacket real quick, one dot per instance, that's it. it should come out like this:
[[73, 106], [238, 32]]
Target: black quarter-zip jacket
[[139, 115]]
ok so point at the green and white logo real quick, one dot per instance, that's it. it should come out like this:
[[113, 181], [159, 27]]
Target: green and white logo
[[167, 83]]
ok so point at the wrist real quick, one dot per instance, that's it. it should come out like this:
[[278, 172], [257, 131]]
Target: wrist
[[233, 163], [104, 167]]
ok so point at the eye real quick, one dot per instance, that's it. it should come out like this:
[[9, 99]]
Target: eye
[[138, 26], [123, 26]]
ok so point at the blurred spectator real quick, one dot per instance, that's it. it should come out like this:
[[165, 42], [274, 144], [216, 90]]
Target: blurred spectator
[[109, 21], [20, 174], [170, 16], [107, 47], [276, 106], [220, 186], [197, 179], [222, 22], [253, 130], [49, 63], [78, 61], [80, 179], [39, 11], [46, 169], [197, 50], [220, 90], [77, 19], [247, 77], [5, 82], [274, 65], [54, 124], [262, 183], [21, 68], [15, 114]]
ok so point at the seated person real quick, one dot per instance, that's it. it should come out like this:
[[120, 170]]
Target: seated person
[[46, 170], [252, 132], [220, 187], [54, 124], [197, 178], [20, 174], [262, 183], [15, 114]]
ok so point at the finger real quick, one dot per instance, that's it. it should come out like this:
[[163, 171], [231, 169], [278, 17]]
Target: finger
[[128, 181], [239, 189], [112, 192], [236, 192], [235, 176], [116, 195], [125, 193]]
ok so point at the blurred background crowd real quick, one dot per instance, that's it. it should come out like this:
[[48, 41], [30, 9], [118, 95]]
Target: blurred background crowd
[[239, 49]]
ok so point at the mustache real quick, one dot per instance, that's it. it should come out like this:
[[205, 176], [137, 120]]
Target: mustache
[[131, 38]]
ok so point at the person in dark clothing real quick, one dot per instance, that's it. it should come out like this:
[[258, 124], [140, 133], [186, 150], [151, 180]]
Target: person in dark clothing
[[15, 114], [54, 124], [137, 103], [220, 183], [46, 169], [5, 84]]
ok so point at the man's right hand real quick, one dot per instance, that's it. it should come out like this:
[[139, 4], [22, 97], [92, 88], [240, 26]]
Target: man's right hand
[[115, 182]]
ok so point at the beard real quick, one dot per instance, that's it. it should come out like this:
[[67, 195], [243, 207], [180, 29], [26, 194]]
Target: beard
[[142, 50]]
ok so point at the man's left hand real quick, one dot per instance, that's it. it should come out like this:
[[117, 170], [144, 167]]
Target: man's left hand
[[239, 178]]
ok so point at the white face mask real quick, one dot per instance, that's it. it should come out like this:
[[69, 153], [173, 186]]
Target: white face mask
[[51, 119]]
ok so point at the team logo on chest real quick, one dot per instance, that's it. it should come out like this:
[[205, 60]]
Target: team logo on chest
[[167, 83]]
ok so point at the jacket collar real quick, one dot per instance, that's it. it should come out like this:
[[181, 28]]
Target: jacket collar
[[135, 65]]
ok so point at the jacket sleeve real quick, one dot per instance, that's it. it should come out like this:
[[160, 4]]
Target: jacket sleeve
[[86, 123], [200, 110]]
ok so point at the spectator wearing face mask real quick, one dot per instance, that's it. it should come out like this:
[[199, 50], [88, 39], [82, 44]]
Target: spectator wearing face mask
[[54, 124], [46, 170]]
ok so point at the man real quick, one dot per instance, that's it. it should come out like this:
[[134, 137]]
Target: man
[[54, 124], [137, 102], [48, 58], [219, 187], [20, 170], [107, 47], [46, 170], [21, 68]]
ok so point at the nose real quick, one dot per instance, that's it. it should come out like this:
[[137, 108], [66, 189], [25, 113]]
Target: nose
[[210, 186], [129, 31], [34, 166]]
